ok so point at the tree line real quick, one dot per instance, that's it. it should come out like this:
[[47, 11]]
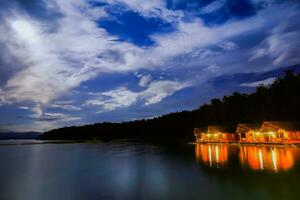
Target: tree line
[[278, 101]]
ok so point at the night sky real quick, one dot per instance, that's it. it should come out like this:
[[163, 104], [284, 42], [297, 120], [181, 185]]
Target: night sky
[[73, 62]]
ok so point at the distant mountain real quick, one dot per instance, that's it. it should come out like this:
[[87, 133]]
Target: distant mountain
[[278, 101], [19, 136]]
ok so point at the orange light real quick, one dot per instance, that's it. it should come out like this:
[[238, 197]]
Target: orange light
[[212, 154], [266, 158]]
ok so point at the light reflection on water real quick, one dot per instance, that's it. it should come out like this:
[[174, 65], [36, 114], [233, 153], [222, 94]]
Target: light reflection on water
[[267, 158], [212, 154], [263, 158], [127, 170]]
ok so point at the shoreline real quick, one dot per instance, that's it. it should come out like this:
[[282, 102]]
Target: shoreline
[[250, 144]]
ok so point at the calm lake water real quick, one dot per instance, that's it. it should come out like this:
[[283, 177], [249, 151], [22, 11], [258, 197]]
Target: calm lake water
[[32, 170]]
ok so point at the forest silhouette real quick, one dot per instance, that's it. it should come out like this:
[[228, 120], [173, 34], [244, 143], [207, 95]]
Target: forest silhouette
[[279, 101]]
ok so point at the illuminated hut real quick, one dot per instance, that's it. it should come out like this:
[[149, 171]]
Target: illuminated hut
[[198, 133], [248, 132], [280, 132], [219, 134]]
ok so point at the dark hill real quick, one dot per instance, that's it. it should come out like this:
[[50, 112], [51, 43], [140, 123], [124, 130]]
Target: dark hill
[[19, 136]]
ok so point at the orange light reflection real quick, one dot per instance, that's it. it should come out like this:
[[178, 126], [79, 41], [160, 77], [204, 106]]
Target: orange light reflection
[[266, 158], [212, 154]]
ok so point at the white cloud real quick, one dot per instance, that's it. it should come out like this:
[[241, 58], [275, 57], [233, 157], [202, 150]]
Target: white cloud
[[258, 53], [265, 82], [65, 105], [23, 107], [158, 90], [213, 69], [151, 8], [38, 111], [213, 6], [204, 53], [56, 61], [122, 97], [2, 98], [228, 45], [179, 42], [58, 117], [145, 80], [280, 46], [111, 100]]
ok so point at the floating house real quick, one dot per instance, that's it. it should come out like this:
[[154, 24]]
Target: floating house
[[248, 132], [274, 132], [269, 132], [215, 134], [198, 133], [280, 132]]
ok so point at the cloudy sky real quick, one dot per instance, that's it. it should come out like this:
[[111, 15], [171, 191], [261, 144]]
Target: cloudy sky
[[84, 61]]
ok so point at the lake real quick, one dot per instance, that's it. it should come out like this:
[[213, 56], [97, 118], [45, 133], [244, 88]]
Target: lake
[[34, 170]]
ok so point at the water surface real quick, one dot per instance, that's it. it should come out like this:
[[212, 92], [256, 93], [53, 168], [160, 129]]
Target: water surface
[[34, 170]]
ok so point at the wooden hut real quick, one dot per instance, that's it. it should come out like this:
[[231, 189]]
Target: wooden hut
[[281, 132], [198, 133], [219, 134], [247, 132]]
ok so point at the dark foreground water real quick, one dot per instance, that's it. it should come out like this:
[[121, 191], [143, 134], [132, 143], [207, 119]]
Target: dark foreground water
[[124, 170]]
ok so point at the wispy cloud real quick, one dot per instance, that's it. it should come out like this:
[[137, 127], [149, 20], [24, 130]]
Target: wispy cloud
[[228, 45], [56, 61], [58, 117], [23, 107], [65, 105], [153, 8], [145, 80], [281, 45], [213, 6], [111, 100], [122, 97], [265, 82]]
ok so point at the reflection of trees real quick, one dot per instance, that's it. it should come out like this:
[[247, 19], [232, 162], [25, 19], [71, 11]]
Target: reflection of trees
[[267, 158]]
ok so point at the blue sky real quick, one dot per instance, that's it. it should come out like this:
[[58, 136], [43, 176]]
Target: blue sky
[[84, 61]]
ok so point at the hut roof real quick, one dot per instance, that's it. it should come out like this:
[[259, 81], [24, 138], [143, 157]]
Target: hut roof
[[201, 129], [245, 127], [223, 129], [276, 125]]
